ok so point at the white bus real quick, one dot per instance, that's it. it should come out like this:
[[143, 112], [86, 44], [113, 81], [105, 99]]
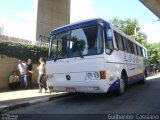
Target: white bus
[[93, 57]]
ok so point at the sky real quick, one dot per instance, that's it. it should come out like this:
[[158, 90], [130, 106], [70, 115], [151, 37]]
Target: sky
[[19, 17]]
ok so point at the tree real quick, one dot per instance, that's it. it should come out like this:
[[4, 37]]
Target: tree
[[129, 26], [23, 52], [154, 53]]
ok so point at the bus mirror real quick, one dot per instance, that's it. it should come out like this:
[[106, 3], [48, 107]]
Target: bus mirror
[[109, 35], [108, 51]]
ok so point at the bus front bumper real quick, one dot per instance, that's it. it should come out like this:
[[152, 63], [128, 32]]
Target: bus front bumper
[[92, 86]]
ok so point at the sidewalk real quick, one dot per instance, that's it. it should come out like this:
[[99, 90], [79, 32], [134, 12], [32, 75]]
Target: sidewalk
[[13, 99], [153, 76]]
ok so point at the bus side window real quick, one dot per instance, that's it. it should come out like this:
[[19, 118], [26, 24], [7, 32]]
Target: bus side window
[[127, 45], [139, 50], [124, 41], [145, 55], [109, 45], [109, 41], [143, 51], [135, 49], [119, 41], [132, 48]]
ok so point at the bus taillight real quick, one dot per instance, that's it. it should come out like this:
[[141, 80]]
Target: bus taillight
[[102, 74]]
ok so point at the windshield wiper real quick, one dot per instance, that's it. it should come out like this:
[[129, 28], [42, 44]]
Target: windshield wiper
[[56, 58], [80, 54]]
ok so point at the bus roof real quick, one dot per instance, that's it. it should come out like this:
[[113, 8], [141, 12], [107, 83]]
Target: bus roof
[[85, 23], [91, 22]]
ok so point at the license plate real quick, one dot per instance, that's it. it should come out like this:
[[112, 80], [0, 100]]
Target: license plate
[[70, 89]]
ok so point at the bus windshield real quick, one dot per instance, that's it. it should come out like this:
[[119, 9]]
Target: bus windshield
[[76, 43]]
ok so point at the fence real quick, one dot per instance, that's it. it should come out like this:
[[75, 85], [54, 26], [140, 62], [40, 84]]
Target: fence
[[4, 38]]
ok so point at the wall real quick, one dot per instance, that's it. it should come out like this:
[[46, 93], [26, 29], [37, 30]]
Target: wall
[[5, 38], [7, 66]]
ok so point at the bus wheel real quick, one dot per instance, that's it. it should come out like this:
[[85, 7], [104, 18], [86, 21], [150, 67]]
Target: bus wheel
[[122, 86]]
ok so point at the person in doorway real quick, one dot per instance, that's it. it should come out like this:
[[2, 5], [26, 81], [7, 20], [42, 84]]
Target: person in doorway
[[29, 73], [41, 69]]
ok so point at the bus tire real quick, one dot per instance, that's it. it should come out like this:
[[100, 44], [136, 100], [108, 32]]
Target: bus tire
[[122, 85]]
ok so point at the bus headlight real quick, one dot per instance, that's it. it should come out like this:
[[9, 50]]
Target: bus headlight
[[92, 75], [50, 77], [96, 75], [89, 75]]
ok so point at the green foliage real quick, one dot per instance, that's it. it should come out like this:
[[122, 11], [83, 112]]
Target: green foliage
[[154, 54], [23, 52], [128, 26], [141, 40]]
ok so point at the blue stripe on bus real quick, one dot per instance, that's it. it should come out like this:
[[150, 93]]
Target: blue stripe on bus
[[116, 85], [79, 25], [134, 80]]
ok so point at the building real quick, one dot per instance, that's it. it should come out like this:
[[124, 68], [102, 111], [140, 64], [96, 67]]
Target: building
[[142, 34], [152, 5], [50, 15]]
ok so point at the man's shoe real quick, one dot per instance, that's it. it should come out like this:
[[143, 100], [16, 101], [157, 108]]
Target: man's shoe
[[45, 90], [39, 91]]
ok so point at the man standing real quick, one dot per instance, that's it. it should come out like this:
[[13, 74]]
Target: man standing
[[21, 67], [41, 69], [30, 72]]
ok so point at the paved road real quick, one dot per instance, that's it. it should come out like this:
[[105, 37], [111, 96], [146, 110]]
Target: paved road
[[138, 98]]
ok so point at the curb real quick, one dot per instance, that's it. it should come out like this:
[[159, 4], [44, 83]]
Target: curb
[[156, 75], [6, 108]]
